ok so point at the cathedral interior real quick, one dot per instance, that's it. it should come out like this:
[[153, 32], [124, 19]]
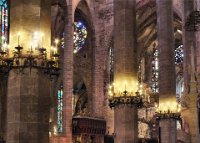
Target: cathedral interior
[[99, 71]]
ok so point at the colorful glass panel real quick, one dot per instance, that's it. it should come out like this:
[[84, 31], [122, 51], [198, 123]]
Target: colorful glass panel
[[179, 55], [155, 68], [80, 35], [4, 22], [155, 72], [60, 111]]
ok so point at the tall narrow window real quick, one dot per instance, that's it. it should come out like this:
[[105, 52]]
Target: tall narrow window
[[179, 85], [179, 70], [179, 55], [60, 110], [80, 35], [4, 22], [111, 62], [155, 68], [155, 72]]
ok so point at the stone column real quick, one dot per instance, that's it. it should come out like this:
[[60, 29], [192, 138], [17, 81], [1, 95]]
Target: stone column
[[1, 107], [194, 72], [28, 91], [28, 107], [167, 79], [168, 131], [125, 71], [3, 89], [126, 124], [196, 52], [188, 38], [68, 73], [191, 52]]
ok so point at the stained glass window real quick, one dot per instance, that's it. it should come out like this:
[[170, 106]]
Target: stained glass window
[[4, 20], [179, 85], [155, 68], [111, 62], [60, 110], [179, 55], [155, 72], [80, 35]]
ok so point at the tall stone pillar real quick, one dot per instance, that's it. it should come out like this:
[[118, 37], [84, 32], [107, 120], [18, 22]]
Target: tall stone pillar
[[125, 72], [126, 124], [28, 91], [196, 110], [68, 73], [28, 104], [196, 53], [190, 43], [167, 80], [1, 107], [3, 88]]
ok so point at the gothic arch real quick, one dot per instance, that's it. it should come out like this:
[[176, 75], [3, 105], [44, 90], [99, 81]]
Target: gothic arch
[[84, 58], [84, 10], [58, 18]]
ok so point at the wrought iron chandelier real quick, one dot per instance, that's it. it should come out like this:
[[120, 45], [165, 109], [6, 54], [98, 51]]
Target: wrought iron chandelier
[[172, 112], [168, 115], [20, 60], [126, 98]]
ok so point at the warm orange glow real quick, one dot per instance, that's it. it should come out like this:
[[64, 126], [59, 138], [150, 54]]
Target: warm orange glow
[[23, 39], [18, 33], [56, 41], [42, 34], [121, 84], [170, 105]]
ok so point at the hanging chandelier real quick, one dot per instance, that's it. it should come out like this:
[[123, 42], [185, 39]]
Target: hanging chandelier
[[127, 98], [32, 58], [169, 110]]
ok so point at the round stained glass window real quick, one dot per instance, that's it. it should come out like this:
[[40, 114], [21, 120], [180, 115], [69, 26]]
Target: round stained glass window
[[80, 35]]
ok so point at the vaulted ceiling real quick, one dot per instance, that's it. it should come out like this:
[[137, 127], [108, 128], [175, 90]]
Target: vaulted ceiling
[[146, 24]]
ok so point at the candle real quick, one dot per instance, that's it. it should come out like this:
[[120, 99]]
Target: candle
[[3, 39], [7, 50], [113, 87], [4, 48], [42, 39], [55, 50], [18, 38], [52, 50], [35, 40], [31, 48], [125, 84], [56, 41]]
